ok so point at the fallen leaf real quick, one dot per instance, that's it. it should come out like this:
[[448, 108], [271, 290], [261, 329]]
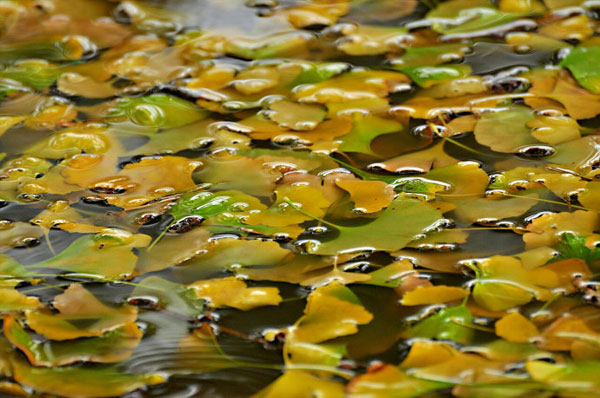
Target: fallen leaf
[[233, 292]]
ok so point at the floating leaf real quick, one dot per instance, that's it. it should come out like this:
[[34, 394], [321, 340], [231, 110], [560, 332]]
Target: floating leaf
[[78, 304], [87, 255], [302, 384], [398, 224], [233, 292], [331, 311], [505, 130], [364, 130], [368, 196], [200, 352], [547, 229], [514, 327], [295, 116], [433, 295], [158, 111], [12, 300], [113, 346], [426, 76], [579, 62], [281, 214], [79, 381], [231, 253], [170, 251], [448, 324], [168, 296], [148, 179], [387, 379]]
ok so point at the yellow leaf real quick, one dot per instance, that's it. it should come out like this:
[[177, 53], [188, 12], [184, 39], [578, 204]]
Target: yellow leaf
[[331, 311], [368, 196], [516, 328], [281, 214], [433, 295], [151, 178], [546, 230], [78, 304], [302, 384], [12, 300], [233, 292]]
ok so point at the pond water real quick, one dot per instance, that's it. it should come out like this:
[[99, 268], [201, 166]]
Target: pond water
[[299, 198]]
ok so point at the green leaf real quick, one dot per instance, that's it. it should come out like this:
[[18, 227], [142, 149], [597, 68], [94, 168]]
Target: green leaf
[[576, 378], [573, 246], [80, 381], [447, 324], [169, 296], [50, 51], [425, 76], [158, 111], [35, 74], [583, 64], [212, 204], [506, 130], [364, 130], [317, 72], [397, 225], [274, 46], [89, 254], [113, 346]]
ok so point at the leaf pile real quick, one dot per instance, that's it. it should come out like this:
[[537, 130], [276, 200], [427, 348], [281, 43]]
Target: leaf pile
[[303, 198]]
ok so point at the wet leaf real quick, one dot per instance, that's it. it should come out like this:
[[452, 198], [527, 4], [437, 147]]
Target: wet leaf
[[427, 76], [12, 300], [505, 130], [200, 352], [87, 255], [302, 384], [448, 324], [331, 311], [151, 178], [415, 217], [368, 196], [157, 111], [232, 253], [80, 381], [433, 295], [233, 292], [78, 304], [575, 378], [548, 229], [388, 379], [579, 62], [514, 327], [295, 116], [169, 251], [168, 296], [113, 346], [364, 130], [280, 213], [561, 87]]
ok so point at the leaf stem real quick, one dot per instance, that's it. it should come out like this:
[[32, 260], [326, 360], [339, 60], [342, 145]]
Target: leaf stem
[[293, 206], [545, 201], [159, 237]]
